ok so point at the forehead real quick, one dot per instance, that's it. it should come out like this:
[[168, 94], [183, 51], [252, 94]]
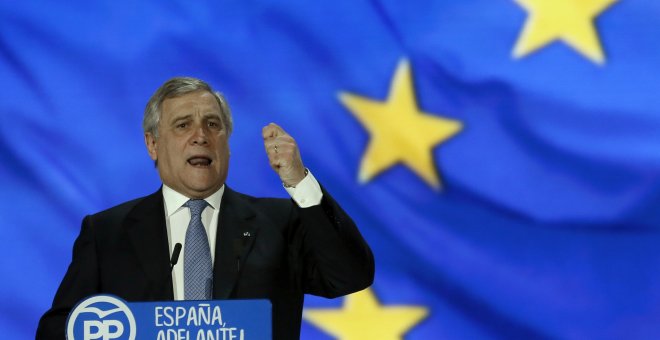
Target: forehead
[[197, 102]]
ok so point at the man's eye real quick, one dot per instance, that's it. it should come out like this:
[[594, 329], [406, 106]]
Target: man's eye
[[182, 125], [214, 124]]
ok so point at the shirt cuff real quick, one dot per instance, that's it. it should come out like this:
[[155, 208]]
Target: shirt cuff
[[307, 193]]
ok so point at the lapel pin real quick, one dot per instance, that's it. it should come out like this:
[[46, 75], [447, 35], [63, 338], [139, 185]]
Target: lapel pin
[[246, 234]]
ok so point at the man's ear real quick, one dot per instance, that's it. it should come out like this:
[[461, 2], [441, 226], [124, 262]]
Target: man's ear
[[151, 142]]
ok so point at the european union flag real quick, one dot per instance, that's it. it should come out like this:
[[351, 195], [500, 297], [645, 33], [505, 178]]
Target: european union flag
[[502, 158]]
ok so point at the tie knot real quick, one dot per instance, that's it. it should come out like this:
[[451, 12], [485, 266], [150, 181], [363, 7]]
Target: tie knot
[[196, 207]]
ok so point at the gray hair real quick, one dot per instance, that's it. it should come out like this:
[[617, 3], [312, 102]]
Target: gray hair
[[176, 87]]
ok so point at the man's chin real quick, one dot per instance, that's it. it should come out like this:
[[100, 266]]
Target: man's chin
[[201, 190]]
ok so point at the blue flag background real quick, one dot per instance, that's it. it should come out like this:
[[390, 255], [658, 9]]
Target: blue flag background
[[546, 224]]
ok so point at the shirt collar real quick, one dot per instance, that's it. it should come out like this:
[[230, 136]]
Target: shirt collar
[[175, 200]]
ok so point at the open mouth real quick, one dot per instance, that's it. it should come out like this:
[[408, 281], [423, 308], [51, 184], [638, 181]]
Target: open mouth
[[200, 161]]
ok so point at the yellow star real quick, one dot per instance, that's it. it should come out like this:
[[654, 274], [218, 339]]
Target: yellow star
[[570, 21], [399, 131], [362, 317]]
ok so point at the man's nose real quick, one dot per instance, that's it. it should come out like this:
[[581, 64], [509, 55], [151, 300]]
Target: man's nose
[[200, 135]]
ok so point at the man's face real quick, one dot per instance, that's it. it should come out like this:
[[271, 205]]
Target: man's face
[[192, 148]]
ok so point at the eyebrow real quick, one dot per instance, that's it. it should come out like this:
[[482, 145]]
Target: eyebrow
[[210, 115], [177, 119]]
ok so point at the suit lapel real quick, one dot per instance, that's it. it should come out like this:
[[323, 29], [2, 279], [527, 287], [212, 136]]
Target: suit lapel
[[234, 240], [147, 231]]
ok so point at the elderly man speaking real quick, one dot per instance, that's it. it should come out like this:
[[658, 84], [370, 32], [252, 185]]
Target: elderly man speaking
[[234, 246]]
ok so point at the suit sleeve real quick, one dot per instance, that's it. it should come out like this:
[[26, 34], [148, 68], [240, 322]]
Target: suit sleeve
[[81, 280], [335, 258]]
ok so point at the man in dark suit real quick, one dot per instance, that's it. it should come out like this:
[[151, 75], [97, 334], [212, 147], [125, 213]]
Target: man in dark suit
[[278, 249]]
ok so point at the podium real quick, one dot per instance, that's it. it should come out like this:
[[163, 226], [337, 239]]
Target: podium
[[109, 317]]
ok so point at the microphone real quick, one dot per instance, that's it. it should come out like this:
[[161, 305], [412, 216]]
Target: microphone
[[175, 255]]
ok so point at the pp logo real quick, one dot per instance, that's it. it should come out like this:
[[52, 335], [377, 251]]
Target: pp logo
[[102, 317]]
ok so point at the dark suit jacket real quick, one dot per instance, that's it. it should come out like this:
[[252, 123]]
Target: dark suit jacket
[[290, 251]]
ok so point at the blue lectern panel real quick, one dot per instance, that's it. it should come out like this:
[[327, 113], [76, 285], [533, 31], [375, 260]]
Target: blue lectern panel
[[109, 317]]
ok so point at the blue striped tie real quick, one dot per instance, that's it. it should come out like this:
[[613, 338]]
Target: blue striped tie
[[197, 269]]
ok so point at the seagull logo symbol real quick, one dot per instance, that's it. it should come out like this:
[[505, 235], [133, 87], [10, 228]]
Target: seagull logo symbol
[[101, 313]]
